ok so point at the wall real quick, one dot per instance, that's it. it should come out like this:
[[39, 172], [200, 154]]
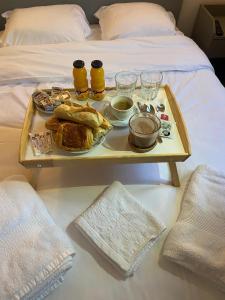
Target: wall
[[189, 12]]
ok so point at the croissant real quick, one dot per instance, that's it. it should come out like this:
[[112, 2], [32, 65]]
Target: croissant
[[105, 124], [54, 123], [74, 137], [83, 115]]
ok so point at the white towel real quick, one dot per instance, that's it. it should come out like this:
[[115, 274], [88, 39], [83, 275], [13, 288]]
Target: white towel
[[120, 228], [34, 252], [197, 240]]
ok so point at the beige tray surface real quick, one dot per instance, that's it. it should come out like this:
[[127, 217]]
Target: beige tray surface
[[115, 147]]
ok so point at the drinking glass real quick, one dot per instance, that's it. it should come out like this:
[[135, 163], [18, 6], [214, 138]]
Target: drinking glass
[[144, 129], [150, 84], [125, 83]]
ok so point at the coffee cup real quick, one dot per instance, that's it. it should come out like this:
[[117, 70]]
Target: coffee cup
[[122, 107], [144, 129]]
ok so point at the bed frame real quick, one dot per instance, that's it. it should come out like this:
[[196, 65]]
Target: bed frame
[[89, 6]]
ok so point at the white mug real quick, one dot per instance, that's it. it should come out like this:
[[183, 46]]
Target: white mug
[[122, 107]]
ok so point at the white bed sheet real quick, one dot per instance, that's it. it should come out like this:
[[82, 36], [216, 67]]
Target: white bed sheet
[[202, 100], [92, 277], [38, 63]]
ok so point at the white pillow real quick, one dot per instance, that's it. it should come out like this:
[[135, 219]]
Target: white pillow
[[45, 25], [123, 20]]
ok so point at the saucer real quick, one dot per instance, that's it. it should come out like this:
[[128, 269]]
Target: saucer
[[141, 150], [114, 121]]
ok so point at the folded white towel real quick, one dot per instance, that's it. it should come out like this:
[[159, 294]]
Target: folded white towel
[[120, 228], [34, 252], [197, 240]]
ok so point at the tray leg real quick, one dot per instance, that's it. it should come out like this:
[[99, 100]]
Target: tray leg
[[174, 174], [34, 177]]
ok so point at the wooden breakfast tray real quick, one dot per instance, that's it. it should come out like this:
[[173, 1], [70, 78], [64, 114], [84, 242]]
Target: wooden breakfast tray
[[115, 147]]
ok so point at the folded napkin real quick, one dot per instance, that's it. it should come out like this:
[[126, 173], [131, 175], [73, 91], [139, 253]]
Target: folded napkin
[[197, 240], [120, 227], [34, 252]]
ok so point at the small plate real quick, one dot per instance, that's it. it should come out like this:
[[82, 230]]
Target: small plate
[[47, 112], [114, 121]]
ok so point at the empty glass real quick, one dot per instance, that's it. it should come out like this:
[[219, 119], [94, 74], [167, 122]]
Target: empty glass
[[150, 84], [126, 83]]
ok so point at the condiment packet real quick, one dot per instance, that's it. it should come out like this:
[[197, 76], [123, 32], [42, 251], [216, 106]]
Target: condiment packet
[[166, 130], [56, 90], [162, 116], [39, 96], [58, 95], [43, 100], [42, 142], [49, 101], [47, 105]]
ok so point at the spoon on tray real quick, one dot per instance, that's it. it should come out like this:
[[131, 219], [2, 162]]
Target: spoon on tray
[[146, 108]]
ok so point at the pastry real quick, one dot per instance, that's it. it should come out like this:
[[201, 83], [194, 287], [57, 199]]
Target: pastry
[[99, 132], [77, 126], [105, 124], [102, 130], [83, 115], [54, 123], [74, 137]]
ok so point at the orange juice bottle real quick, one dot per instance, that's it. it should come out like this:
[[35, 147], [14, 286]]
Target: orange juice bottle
[[80, 79], [97, 80]]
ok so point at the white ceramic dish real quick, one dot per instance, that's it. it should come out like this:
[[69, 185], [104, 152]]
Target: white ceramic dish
[[124, 112], [114, 121]]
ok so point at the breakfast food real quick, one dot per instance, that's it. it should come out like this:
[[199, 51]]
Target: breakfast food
[[72, 136], [54, 123], [105, 124], [83, 115], [77, 127]]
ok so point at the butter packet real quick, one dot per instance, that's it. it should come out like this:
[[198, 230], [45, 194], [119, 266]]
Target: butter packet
[[42, 142], [48, 101], [59, 96]]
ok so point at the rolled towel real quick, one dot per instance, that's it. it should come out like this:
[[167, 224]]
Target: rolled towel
[[197, 240], [120, 228], [34, 252]]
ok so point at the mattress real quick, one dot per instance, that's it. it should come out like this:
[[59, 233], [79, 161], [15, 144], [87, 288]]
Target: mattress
[[68, 191]]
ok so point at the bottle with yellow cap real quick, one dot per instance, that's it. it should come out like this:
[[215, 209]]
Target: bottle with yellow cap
[[97, 80], [80, 79]]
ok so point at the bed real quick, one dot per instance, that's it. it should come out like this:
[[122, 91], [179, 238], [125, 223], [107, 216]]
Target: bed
[[68, 191]]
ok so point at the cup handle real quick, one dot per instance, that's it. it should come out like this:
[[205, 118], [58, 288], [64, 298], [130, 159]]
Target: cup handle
[[136, 109]]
